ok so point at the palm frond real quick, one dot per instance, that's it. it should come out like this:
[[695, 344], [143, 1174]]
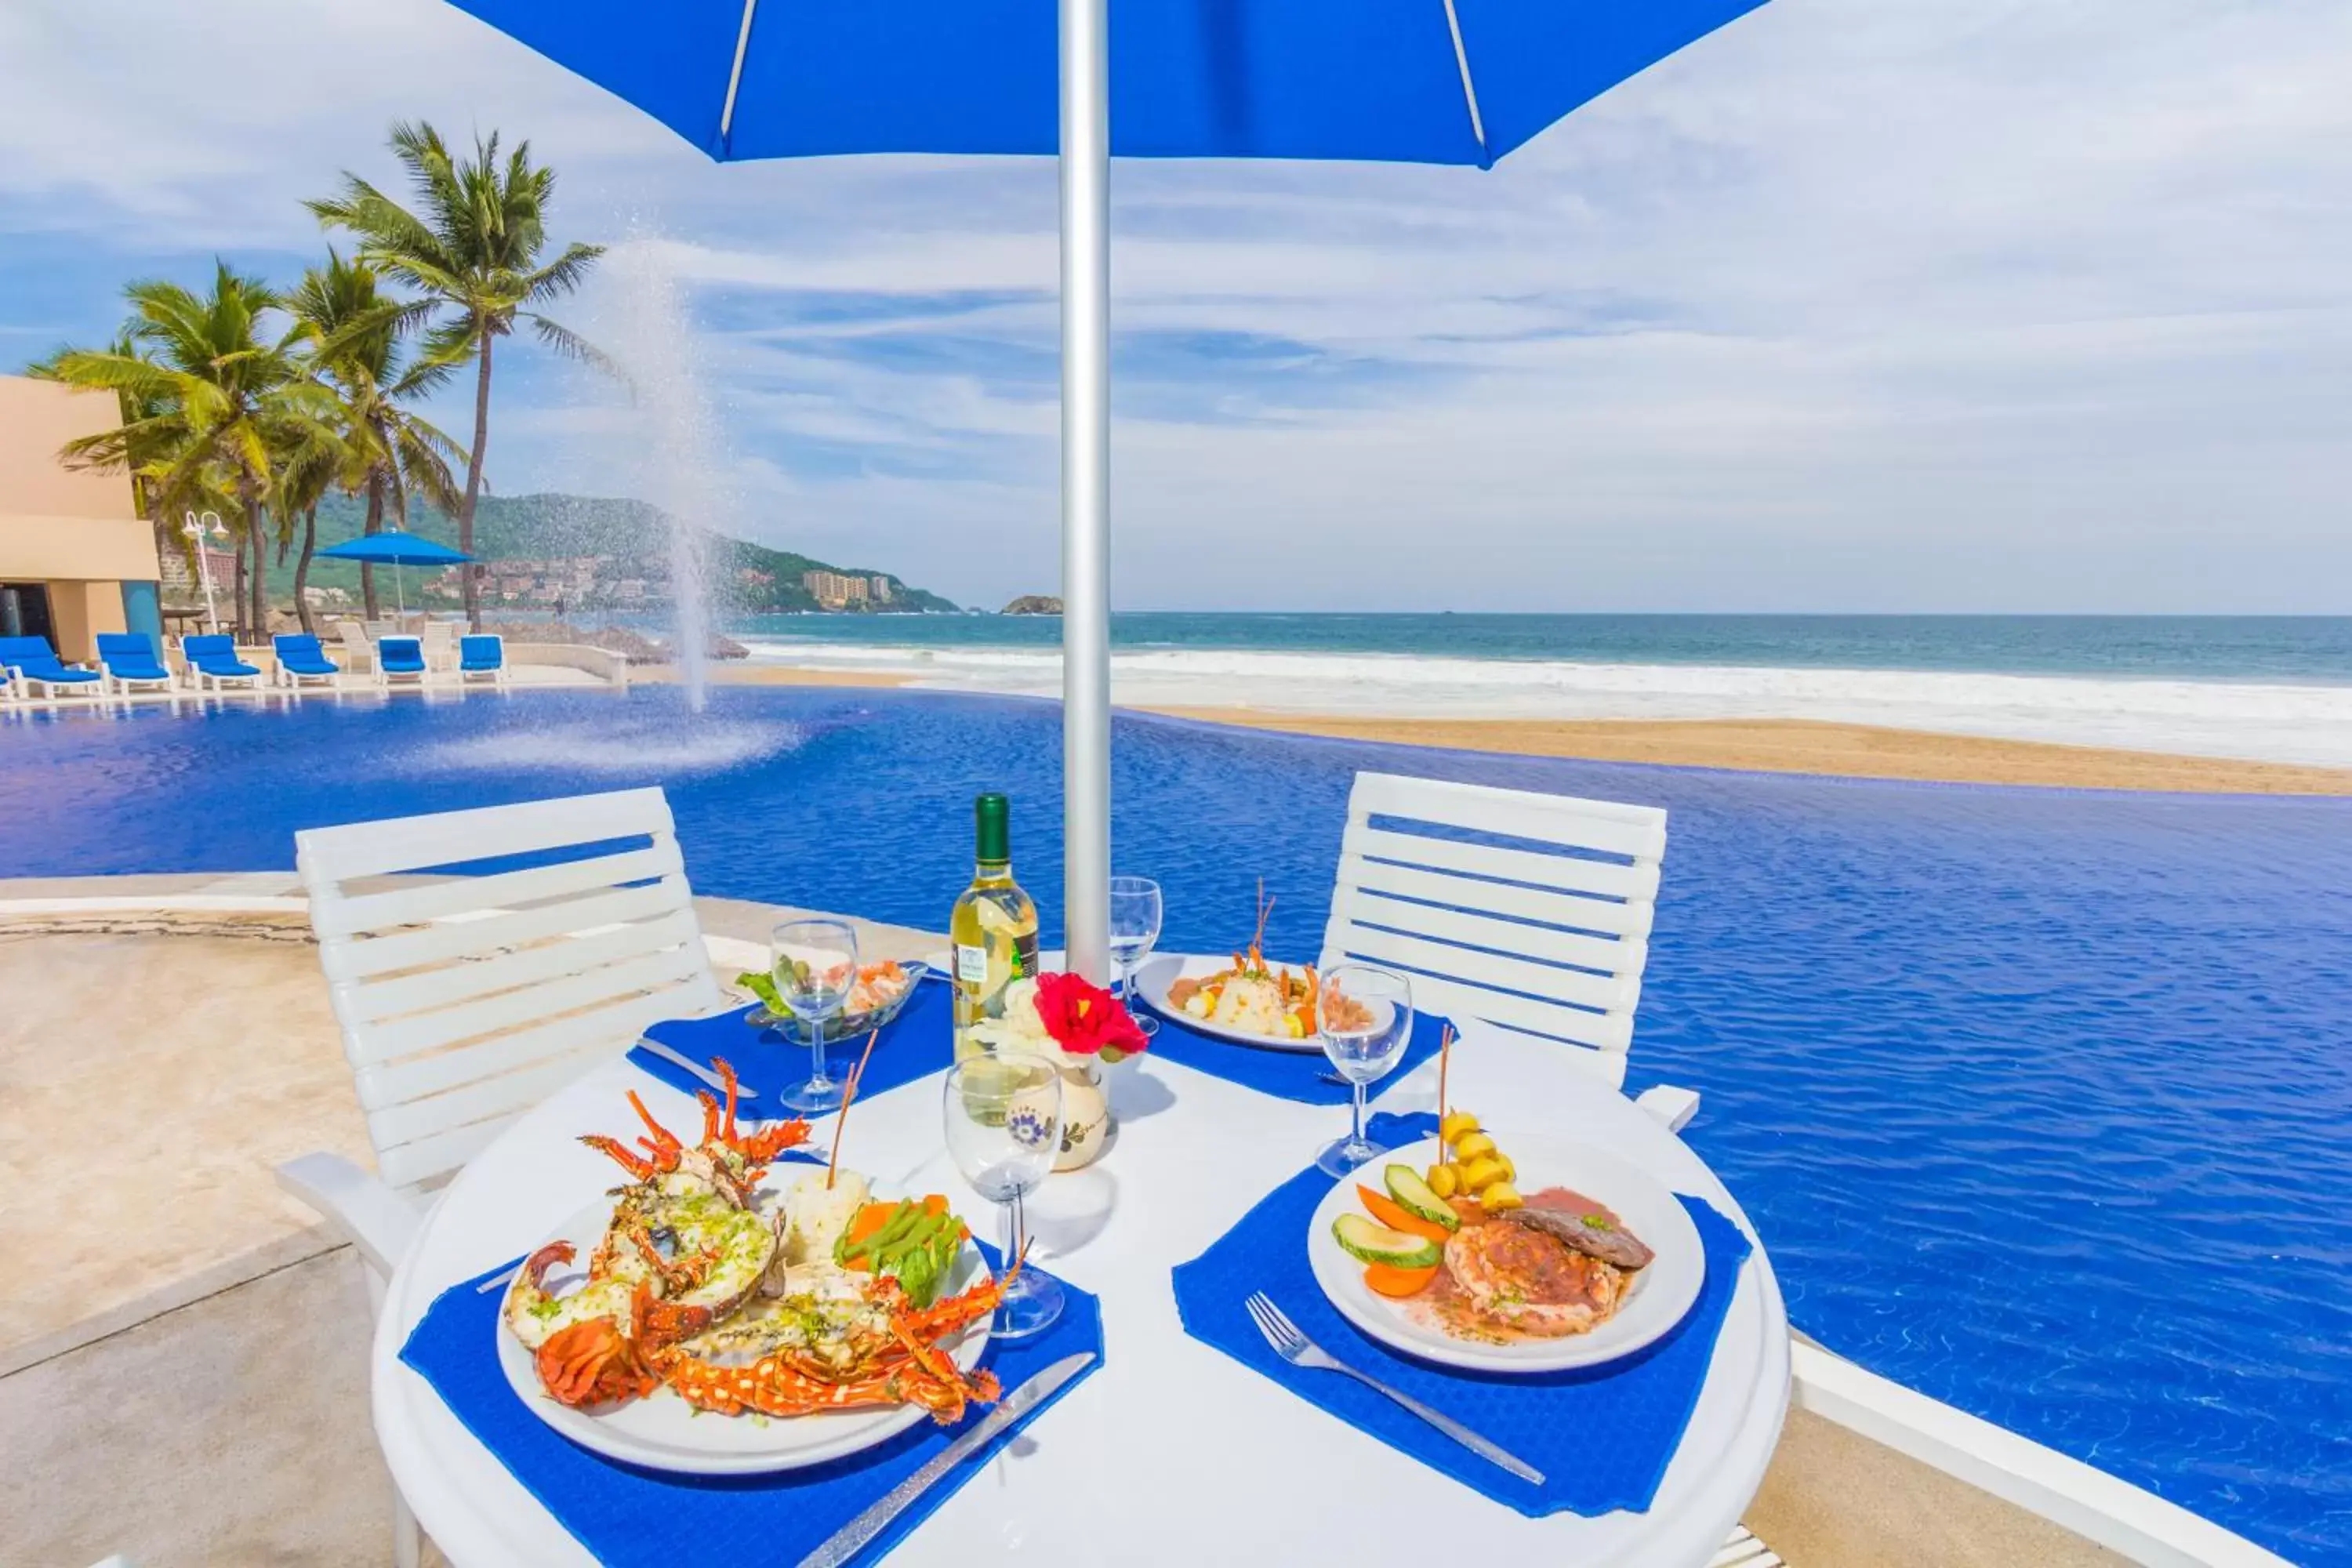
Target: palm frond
[[571, 346]]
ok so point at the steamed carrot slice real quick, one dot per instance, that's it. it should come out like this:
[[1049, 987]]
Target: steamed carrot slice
[[869, 1220], [1396, 1216], [1388, 1280]]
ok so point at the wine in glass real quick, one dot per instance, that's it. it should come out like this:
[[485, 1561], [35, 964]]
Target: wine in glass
[[814, 963], [1365, 1016], [1134, 928], [1003, 1115]]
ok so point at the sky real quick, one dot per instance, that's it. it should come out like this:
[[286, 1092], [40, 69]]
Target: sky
[[1944, 306]]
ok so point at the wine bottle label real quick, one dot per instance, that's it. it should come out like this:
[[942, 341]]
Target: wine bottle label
[[971, 963]]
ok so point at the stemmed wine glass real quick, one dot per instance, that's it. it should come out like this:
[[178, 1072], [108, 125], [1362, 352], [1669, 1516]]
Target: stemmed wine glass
[[1365, 1013], [814, 963], [1134, 928], [1004, 1114]]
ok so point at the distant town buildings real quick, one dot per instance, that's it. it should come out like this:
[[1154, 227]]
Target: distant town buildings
[[559, 580], [839, 591], [628, 581]]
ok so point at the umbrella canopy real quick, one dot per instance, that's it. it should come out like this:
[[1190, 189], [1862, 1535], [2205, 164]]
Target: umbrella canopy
[[1423, 82], [394, 548], [1419, 81]]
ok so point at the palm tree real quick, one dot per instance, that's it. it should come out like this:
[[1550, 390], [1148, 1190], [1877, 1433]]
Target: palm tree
[[223, 404], [472, 248], [144, 453], [387, 451]]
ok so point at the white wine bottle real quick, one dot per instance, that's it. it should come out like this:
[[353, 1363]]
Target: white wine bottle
[[994, 927]]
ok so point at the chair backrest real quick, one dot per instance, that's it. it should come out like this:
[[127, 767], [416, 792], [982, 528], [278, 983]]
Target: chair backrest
[[126, 648], [483, 650], [403, 651], [354, 635], [218, 647], [31, 655], [467, 999], [1539, 923], [301, 645], [440, 636]]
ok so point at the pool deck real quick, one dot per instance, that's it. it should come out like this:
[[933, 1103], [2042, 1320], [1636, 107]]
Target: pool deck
[[184, 1376]]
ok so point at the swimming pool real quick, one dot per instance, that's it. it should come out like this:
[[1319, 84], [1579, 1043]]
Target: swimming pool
[[2039, 1097]]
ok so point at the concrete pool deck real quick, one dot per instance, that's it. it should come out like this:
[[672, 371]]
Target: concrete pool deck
[[184, 1376]]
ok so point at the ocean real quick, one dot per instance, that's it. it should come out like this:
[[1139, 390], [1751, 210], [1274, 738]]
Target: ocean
[[2263, 687]]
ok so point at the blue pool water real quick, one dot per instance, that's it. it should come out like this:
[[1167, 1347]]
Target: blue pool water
[[2039, 1099]]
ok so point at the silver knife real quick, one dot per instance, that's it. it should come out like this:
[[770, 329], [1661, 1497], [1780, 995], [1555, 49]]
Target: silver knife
[[845, 1542], [652, 1047]]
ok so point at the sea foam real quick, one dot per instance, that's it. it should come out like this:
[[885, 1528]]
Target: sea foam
[[2265, 722]]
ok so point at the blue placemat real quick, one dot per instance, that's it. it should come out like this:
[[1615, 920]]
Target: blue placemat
[[1601, 1437], [1289, 1075], [625, 1516], [919, 1041]]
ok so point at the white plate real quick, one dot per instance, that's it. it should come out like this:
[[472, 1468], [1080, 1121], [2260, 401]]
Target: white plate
[[1662, 1293], [662, 1432], [1155, 974]]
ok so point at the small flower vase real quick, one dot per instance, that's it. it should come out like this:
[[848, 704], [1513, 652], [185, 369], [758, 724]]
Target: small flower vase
[[1086, 1121]]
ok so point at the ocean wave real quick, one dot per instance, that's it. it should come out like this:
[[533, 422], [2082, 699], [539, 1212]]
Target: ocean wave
[[2273, 721]]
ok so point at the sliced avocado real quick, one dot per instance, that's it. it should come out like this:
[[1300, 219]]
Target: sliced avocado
[[1373, 1242], [1405, 1186]]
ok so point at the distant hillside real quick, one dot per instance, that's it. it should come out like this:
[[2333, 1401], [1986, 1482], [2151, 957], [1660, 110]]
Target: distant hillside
[[744, 577]]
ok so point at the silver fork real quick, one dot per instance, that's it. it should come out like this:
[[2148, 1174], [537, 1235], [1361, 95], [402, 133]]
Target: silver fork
[[1296, 1348]]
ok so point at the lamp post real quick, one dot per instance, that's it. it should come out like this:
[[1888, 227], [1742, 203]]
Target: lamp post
[[195, 529]]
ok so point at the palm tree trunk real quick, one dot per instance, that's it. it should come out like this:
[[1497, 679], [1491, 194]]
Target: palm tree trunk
[[261, 568], [374, 525], [303, 568], [238, 594], [474, 479]]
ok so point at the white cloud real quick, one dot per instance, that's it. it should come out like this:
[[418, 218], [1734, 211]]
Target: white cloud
[[1937, 306]]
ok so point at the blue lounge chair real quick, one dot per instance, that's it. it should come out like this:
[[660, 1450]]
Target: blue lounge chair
[[399, 658], [300, 659], [36, 665], [130, 661], [482, 657], [213, 660]]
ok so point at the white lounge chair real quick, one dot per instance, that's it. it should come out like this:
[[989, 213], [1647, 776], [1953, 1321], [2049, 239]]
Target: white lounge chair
[[359, 652], [541, 974], [440, 646], [1484, 929]]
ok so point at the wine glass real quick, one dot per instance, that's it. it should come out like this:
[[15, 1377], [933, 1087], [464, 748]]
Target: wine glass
[[1365, 1013], [814, 963], [1004, 1114], [1134, 927]]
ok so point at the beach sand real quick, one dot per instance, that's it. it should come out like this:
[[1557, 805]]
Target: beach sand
[[1765, 745], [1810, 747]]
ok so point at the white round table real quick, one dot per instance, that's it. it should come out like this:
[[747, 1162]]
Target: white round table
[[1172, 1453]]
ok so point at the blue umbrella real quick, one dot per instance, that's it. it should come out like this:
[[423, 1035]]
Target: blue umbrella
[[1423, 82], [397, 549]]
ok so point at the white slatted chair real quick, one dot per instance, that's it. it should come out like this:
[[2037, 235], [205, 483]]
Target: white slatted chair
[[1548, 941], [1744, 1550], [466, 1000]]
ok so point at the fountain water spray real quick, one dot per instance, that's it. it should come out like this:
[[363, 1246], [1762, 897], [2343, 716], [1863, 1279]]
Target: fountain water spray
[[679, 460]]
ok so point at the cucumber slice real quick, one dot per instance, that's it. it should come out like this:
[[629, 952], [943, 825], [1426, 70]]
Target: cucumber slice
[[1375, 1243], [1405, 1186]]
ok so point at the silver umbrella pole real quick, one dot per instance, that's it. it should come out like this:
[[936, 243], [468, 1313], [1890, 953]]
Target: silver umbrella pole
[[1085, 487]]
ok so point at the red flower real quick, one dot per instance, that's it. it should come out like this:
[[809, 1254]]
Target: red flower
[[1084, 1018]]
